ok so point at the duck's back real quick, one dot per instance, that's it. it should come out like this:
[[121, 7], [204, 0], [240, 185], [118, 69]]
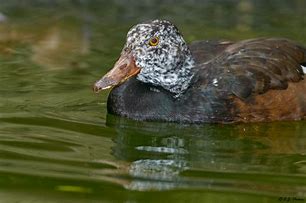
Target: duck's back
[[257, 80], [203, 51]]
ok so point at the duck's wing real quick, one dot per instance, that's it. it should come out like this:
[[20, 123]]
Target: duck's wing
[[257, 66]]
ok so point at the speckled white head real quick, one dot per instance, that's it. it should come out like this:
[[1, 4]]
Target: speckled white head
[[168, 63]]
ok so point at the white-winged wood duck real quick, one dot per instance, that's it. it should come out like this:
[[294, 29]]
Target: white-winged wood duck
[[159, 77]]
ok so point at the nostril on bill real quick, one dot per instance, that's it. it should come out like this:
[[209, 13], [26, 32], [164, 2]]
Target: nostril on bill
[[96, 89]]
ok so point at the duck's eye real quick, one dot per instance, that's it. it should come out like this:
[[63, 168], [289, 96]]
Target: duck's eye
[[153, 41]]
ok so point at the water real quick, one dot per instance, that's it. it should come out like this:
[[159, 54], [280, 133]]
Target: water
[[57, 143]]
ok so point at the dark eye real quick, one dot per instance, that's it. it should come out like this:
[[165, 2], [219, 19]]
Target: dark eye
[[153, 41]]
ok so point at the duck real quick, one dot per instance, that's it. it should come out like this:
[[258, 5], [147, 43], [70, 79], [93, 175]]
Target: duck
[[159, 77]]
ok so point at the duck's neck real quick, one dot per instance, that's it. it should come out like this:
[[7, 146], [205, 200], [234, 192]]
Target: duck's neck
[[174, 76], [184, 74]]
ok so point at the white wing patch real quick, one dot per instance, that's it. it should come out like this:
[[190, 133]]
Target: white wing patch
[[215, 82], [304, 69]]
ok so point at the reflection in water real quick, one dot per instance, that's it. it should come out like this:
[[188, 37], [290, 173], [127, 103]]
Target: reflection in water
[[153, 153], [167, 153]]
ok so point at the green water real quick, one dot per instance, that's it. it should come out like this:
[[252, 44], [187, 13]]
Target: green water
[[57, 143]]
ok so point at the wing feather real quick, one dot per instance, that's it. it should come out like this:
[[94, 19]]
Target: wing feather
[[259, 65]]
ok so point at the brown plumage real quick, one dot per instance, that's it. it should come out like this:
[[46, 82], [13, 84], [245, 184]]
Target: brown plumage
[[264, 76], [273, 105]]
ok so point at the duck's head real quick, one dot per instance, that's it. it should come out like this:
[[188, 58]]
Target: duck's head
[[157, 54]]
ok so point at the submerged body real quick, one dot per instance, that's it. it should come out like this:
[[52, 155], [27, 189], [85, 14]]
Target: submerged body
[[249, 81]]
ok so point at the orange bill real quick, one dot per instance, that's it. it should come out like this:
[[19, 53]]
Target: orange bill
[[123, 69]]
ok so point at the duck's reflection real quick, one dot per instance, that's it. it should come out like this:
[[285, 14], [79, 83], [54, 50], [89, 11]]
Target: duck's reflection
[[160, 152]]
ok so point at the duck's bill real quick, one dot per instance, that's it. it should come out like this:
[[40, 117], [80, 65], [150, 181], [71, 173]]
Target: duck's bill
[[123, 69]]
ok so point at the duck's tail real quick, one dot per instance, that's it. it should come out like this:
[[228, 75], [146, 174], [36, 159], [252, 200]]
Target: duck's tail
[[304, 68], [303, 64]]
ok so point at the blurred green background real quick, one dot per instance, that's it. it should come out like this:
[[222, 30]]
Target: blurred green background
[[57, 143]]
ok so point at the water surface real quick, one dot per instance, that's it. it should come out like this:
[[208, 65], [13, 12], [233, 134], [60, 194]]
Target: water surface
[[57, 143]]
